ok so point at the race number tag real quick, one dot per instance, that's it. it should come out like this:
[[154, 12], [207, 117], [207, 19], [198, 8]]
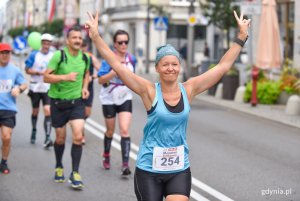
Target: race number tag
[[40, 87], [6, 86], [119, 94], [168, 159]]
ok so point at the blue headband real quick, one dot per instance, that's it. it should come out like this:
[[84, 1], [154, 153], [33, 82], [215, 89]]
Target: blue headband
[[166, 50]]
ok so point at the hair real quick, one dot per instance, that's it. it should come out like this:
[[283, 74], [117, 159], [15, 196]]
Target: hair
[[120, 32], [73, 28]]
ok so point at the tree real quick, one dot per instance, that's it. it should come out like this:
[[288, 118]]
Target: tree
[[55, 28], [220, 14]]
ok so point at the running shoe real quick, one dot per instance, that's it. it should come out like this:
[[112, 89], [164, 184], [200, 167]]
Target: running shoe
[[33, 136], [75, 180], [105, 162], [125, 170], [48, 143], [59, 175], [4, 168]]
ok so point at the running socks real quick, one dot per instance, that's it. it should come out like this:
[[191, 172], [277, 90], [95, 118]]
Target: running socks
[[3, 162], [76, 152], [125, 147], [59, 151], [33, 121], [107, 144], [47, 126]]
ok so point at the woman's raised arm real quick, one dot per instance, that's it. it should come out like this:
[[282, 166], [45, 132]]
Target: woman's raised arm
[[136, 83]]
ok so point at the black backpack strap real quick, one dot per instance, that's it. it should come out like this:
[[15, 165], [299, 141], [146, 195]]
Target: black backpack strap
[[63, 58], [85, 59]]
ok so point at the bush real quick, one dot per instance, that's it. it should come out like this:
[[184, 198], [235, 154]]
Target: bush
[[267, 92], [289, 77], [55, 28]]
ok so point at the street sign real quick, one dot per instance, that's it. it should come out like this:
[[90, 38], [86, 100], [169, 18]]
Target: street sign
[[161, 23], [19, 43], [192, 20]]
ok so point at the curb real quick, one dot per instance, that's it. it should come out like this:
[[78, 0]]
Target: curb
[[271, 112]]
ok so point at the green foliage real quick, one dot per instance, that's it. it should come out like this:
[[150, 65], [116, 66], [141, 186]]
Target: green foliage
[[233, 71], [289, 77], [220, 14], [267, 92], [54, 28], [16, 31]]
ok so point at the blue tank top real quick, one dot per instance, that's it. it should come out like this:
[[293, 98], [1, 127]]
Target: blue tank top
[[164, 129]]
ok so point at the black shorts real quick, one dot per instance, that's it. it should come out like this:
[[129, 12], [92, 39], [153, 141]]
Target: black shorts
[[66, 111], [36, 97], [150, 186], [89, 102], [110, 111], [8, 118]]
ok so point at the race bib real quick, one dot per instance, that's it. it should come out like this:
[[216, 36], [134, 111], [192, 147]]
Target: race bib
[[120, 94], [40, 87], [6, 86], [168, 159]]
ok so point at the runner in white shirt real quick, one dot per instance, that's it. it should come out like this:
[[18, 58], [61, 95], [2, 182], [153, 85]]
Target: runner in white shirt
[[116, 98], [36, 64]]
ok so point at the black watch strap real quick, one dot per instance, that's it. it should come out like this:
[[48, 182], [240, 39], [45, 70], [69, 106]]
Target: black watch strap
[[240, 42]]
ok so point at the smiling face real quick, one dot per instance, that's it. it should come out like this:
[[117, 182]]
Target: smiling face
[[4, 57], [168, 68], [45, 46], [74, 40]]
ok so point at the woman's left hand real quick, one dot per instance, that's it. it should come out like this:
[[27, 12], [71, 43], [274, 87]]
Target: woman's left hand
[[92, 25], [243, 25]]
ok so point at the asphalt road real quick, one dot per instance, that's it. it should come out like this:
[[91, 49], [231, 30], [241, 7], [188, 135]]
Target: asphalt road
[[234, 156]]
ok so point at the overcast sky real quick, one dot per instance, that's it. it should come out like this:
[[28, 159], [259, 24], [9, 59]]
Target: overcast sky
[[2, 3]]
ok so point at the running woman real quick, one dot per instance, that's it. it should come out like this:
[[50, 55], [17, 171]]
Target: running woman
[[116, 99], [163, 167]]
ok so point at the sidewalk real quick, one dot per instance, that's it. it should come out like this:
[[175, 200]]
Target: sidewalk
[[271, 112]]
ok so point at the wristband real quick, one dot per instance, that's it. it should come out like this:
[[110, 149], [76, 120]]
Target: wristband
[[240, 42], [21, 90]]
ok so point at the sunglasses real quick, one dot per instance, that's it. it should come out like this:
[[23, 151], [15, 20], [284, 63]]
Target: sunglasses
[[123, 42]]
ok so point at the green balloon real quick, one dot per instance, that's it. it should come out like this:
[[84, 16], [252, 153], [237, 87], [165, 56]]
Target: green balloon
[[34, 40]]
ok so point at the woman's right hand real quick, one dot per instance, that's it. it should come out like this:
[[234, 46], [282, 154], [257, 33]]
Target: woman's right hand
[[92, 25]]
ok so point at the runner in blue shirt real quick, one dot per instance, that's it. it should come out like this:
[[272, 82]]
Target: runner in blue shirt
[[12, 83]]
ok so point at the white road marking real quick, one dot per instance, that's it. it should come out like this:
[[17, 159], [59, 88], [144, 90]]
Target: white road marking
[[95, 127]]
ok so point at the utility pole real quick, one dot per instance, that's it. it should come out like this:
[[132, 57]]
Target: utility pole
[[147, 36], [190, 44]]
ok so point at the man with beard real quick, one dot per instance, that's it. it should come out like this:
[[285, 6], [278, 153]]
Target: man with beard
[[68, 75]]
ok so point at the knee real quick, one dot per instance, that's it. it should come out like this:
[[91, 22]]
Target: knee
[[77, 139], [60, 139], [6, 139], [109, 133], [124, 133]]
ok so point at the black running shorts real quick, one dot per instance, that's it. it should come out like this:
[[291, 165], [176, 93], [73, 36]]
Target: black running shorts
[[8, 118], [60, 116], [150, 186], [36, 97], [110, 111]]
